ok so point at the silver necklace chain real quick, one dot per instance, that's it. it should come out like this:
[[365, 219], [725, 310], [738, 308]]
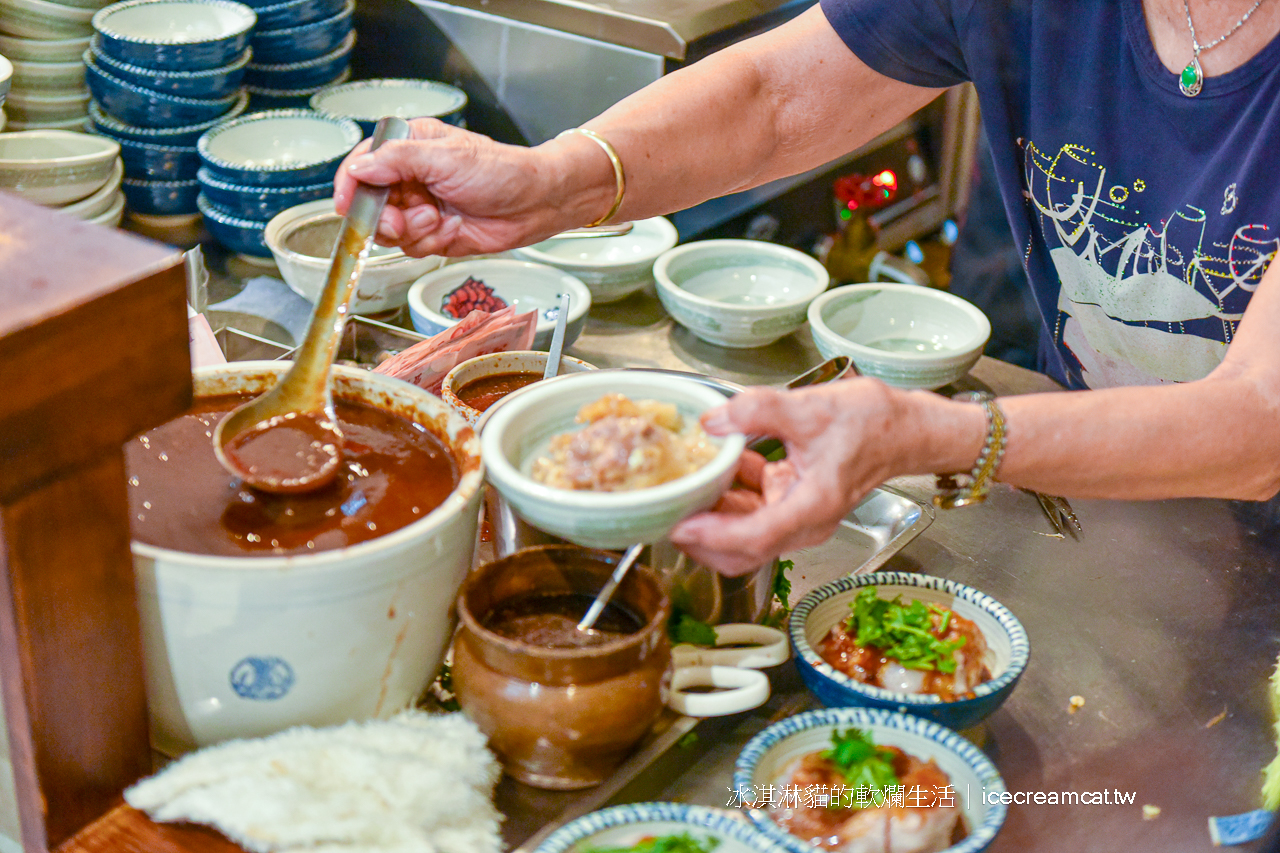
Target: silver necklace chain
[[1191, 80]]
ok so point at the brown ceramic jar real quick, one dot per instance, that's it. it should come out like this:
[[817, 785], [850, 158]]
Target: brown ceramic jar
[[561, 718]]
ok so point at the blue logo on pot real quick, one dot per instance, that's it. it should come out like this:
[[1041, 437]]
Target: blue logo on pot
[[262, 678]]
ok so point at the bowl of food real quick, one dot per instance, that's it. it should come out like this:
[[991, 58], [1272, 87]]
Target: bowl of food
[[612, 268], [301, 239], [260, 611], [179, 35], [278, 147], [440, 299], [738, 293], [54, 167], [908, 642], [366, 101], [654, 827], [903, 334], [893, 782], [607, 459], [561, 707], [478, 383]]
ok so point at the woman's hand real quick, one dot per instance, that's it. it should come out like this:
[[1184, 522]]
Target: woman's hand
[[458, 193]]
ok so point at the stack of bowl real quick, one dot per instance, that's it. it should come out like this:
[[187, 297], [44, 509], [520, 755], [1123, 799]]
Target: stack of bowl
[[366, 101], [259, 165], [162, 72], [6, 73], [299, 47], [71, 171], [43, 41]]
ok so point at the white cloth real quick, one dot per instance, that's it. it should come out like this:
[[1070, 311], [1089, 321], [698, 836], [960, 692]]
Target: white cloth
[[418, 782]]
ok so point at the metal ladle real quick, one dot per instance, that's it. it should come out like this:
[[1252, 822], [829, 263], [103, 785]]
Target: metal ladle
[[288, 439]]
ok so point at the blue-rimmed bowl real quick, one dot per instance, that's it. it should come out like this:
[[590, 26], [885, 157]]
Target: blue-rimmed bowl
[[278, 148], [1008, 647], [292, 76], [768, 757], [296, 44], [108, 125], [366, 101], [206, 83], [145, 107], [295, 13], [293, 99], [159, 162], [176, 35], [624, 826], [160, 198], [237, 234], [257, 202]]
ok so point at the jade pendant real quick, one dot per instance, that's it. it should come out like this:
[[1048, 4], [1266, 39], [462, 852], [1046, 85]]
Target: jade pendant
[[1191, 81]]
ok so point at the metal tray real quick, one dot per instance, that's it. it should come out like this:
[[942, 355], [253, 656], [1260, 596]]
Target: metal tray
[[878, 528]]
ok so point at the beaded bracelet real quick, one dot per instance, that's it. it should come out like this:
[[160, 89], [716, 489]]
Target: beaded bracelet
[[619, 178], [951, 493]]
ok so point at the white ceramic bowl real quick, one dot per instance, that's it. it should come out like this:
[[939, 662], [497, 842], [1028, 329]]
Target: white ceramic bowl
[[43, 50], [113, 215], [622, 827], [738, 293], [366, 101], [526, 285], [37, 76], [52, 106], [496, 364], [518, 431], [6, 77], [278, 147], [612, 268], [44, 20], [92, 206], [388, 272], [361, 630], [906, 335], [764, 761], [55, 167]]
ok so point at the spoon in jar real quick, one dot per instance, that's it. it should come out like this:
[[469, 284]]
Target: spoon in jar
[[288, 440], [606, 592]]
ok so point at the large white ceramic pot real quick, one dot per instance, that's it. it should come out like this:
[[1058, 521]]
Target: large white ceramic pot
[[247, 646]]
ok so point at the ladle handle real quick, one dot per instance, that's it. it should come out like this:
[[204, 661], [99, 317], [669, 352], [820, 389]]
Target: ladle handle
[[602, 597], [312, 360]]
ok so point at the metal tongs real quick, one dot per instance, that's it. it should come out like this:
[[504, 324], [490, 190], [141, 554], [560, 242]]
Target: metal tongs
[[1060, 514]]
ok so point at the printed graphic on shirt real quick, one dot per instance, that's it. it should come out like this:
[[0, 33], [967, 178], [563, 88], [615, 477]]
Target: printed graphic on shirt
[[1148, 296]]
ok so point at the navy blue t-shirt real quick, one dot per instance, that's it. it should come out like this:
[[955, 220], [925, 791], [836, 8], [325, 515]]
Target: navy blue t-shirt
[[1145, 218]]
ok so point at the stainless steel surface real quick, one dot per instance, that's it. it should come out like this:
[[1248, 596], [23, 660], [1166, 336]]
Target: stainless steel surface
[[664, 27]]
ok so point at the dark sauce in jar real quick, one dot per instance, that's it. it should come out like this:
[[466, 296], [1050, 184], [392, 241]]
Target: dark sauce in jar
[[393, 473], [482, 393], [551, 620]]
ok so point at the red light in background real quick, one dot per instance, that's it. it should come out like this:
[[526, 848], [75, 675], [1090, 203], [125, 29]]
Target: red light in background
[[886, 179]]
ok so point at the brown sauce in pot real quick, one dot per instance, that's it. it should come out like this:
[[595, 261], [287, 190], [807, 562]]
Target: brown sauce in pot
[[551, 620], [393, 473], [482, 393]]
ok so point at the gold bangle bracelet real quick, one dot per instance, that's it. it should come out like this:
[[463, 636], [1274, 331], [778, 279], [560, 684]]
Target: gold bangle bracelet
[[952, 494], [620, 179]]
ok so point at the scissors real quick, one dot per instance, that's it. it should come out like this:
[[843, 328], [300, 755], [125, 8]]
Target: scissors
[[731, 668]]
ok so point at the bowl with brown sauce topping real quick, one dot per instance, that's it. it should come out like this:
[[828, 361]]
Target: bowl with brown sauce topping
[[850, 780], [607, 459], [562, 707], [909, 642], [476, 384], [265, 611]]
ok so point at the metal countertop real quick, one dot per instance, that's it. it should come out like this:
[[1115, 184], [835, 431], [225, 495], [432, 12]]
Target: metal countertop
[[1164, 616]]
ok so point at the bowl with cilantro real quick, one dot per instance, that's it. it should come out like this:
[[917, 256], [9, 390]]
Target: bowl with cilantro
[[909, 642], [659, 828], [850, 780]]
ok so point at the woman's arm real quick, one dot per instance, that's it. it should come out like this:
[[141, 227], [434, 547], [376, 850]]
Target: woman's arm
[[1216, 437], [774, 105]]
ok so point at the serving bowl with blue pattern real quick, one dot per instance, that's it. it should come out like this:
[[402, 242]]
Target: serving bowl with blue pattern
[[177, 35], [1008, 648], [769, 759], [264, 98], [235, 232], [366, 101], [298, 43], [144, 107], [160, 198], [304, 74], [204, 83], [626, 825], [295, 13], [159, 162], [105, 124], [278, 148], [258, 202]]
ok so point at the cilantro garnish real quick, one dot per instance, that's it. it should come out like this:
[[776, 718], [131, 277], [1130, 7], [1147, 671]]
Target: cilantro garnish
[[683, 628], [781, 593], [863, 764], [682, 843], [904, 632]]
